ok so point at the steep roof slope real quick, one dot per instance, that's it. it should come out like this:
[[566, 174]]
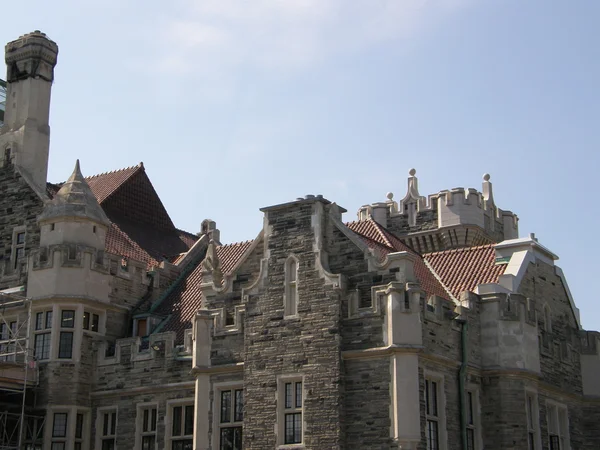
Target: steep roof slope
[[462, 269], [383, 241], [140, 228]]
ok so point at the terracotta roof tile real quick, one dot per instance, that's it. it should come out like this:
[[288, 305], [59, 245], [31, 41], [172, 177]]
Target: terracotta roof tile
[[105, 184], [386, 242], [462, 269], [185, 298]]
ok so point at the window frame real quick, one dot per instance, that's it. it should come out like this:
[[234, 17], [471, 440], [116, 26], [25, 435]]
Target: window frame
[[169, 437], [283, 411], [57, 439], [219, 424], [561, 420], [16, 246], [474, 416], [440, 414], [532, 412], [290, 295], [101, 436], [141, 433]]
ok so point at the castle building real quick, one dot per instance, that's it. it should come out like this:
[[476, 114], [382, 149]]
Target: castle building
[[425, 324]]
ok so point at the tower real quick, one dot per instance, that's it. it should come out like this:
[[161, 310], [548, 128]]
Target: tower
[[25, 135]]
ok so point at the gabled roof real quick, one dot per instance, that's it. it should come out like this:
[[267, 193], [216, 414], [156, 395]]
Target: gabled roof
[[386, 242], [140, 227], [185, 297], [462, 269]]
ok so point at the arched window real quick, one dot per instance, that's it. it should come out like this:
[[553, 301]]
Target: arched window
[[291, 287]]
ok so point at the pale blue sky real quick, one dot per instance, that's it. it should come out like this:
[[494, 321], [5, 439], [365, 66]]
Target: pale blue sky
[[234, 105]]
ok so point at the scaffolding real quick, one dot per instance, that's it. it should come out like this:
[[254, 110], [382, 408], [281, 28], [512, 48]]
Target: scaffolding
[[19, 376]]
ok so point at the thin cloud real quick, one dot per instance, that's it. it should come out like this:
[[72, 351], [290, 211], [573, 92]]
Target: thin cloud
[[211, 37]]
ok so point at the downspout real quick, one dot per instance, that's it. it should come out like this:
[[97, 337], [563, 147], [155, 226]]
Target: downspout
[[462, 378]]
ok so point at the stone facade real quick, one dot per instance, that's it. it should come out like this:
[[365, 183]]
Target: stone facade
[[426, 324]]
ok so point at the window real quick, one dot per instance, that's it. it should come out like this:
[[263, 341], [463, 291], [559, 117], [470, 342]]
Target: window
[[291, 399], [8, 332], [147, 427], [434, 413], [532, 421], [231, 417], [34, 433], [67, 319], [18, 246], [291, 287], [41, 340], [79, 432], [472, 404], [59, 431], [65, 343], [108, 429], [182, 427], [558, 427], [90, 321]]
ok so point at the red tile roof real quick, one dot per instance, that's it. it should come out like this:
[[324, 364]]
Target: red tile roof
[[141, 228], [462, 269], [385, 242], [185, 297]]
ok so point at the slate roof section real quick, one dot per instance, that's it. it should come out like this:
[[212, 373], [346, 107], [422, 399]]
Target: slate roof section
[[185, 298], [140, 228], [462, 269], [376, 236]]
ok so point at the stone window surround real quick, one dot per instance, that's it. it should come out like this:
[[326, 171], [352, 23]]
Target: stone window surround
[[280, 397], [533, 395], [562, 411], [441, 406], [99, 424], [8, 332], [290, 295], [169, 419], [71, 412], [139, 422], [476, 405], [217, 388], [13, 253], [56, 328]]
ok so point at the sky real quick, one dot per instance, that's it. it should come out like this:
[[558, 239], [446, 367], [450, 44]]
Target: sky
[[234, 105]]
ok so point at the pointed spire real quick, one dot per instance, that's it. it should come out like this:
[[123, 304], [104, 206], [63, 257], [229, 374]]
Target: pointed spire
[[75, 199]]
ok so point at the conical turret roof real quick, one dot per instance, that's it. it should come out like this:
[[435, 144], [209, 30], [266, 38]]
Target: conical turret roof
[[74, 199]]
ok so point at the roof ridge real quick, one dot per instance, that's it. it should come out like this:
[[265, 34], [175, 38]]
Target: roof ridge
[[231, 244], [461, 249], [137, 166]]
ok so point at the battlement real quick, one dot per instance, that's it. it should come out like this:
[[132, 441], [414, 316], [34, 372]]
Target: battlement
[[425, 223], [589, 342]]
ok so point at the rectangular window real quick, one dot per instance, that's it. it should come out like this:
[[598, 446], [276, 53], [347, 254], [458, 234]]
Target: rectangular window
[[18, 247], [147, 427], [182, 427], [558, 427], [108, 430], [432, 416], [292, 412], [533, 422], [472, 420], [95, 322], [65, 346], [42, 346], [79, 431], [231, 419], [86, 320], [67, 319], [59, 431]]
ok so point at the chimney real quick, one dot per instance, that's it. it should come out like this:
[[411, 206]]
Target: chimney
[[25, 135]]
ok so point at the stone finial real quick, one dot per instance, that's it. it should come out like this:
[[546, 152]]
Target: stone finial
[[392, 205], [488, 195], [75, 199], [211, 266], [412, 201]]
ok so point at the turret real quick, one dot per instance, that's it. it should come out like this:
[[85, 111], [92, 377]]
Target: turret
[[25, 135]]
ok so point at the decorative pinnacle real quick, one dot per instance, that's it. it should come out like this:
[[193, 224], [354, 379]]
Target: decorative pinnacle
[[390, 195], [412, 172], [486, 177]]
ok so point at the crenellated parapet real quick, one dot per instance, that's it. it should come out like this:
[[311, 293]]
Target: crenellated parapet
[[452, 218], [128, 350]]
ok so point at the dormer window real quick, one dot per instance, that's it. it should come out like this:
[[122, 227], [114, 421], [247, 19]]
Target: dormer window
[[291, 287]]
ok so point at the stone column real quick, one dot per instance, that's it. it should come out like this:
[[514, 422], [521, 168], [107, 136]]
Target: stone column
[[202, 334], [404, 336]]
